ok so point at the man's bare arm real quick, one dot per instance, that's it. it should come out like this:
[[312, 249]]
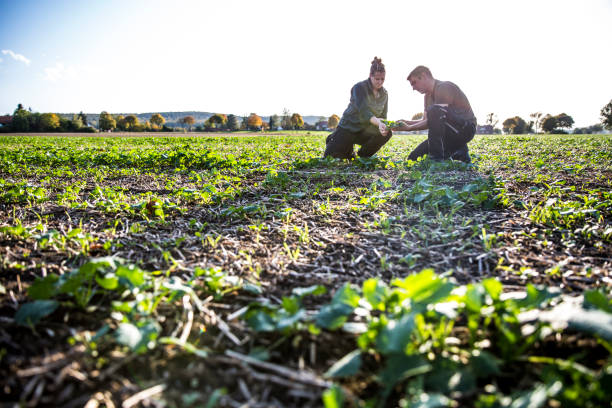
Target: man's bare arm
[[414, 125], [411, 125]]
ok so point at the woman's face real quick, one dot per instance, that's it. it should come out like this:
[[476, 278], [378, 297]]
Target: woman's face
[[377, 80]]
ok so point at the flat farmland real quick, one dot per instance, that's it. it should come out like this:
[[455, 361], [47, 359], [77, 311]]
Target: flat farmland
[[245, 270]]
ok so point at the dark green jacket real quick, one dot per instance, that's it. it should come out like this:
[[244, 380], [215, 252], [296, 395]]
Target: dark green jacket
[[363, 106]]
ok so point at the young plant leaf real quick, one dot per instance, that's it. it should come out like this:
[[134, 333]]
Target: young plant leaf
[[333, 397], [29, 314], [493, 287], [375, 292], [395, 335], [597, 299], [44, 288], [346, 366], [109, 281], [334, 315], [310, 290], [261, 321], [400, 366]]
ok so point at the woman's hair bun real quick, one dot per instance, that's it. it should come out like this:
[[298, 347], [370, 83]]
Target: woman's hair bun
[[377, 66]]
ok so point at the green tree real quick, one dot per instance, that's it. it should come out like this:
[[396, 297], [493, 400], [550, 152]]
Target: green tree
[[274, 122], [20, 122], [549, 123], [233, 123], [217, 121], [157, 120], [564, 121], [606, 115], [515, 125], [333, 121], [297, 122], [65, 125], [508, 125], [106, 122], [34, 122], [75, 123], [49, 122], [83, 118], [121, 123], [131, 121], [521, 126]]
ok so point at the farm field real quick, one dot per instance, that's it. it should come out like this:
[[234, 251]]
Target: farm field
[[223, 270]]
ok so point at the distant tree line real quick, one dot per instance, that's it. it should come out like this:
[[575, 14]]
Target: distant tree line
[[545, 123], [131, 123], [254, 122], [548, 123], [24, 120]]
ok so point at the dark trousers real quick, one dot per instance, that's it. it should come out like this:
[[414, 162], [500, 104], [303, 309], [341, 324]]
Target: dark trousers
[[448, 136], [339, 144]]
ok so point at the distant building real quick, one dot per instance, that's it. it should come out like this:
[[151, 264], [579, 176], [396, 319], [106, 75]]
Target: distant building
[[484, 129], [322, 125], [6, 120]]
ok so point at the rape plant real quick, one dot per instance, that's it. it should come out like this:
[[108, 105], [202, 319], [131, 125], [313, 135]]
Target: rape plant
[[134, 294], [21, 193], [412, 328], [287, 317]]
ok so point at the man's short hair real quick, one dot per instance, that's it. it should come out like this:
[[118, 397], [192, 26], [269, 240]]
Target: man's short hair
[[420, 70]]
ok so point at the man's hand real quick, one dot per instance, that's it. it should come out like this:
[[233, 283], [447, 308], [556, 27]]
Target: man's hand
[[402, 124]]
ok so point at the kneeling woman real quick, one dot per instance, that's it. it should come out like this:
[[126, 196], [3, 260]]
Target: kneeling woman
[[361, 122]]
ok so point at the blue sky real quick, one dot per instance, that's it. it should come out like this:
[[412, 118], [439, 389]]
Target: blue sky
[[509, 57]]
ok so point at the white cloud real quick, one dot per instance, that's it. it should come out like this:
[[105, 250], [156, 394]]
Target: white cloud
[[59, 71], [16, 57]]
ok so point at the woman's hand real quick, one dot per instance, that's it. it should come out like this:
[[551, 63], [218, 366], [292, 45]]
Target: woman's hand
[[382, 128]]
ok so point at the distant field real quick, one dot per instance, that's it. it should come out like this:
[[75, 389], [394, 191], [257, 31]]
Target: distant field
[[230, 269]]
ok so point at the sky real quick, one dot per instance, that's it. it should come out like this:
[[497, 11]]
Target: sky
[[510, 58]]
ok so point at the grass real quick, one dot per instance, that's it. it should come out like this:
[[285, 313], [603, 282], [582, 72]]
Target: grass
[[231, 269]]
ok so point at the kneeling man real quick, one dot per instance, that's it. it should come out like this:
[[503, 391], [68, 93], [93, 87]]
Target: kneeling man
[[448, 116]]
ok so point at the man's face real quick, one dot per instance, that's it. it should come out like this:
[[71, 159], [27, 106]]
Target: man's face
[[419, 83]]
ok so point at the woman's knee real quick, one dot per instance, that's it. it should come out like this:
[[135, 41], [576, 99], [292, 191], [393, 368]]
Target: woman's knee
[[338, 145]]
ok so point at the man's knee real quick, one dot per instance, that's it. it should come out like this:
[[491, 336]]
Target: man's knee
[[436, 109], [436, 112]]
